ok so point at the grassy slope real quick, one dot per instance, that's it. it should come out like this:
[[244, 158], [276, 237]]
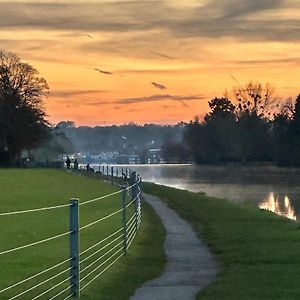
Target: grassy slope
[[258, 252], [25, 189]]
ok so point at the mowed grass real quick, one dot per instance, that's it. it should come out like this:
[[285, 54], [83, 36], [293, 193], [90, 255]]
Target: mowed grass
[[145, 260], [29, 189], [258, 252]]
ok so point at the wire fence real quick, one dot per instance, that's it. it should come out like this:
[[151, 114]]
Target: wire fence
[[68, 277]]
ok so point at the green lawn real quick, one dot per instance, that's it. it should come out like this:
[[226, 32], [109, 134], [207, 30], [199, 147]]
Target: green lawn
[[27, 189], [258, 252]]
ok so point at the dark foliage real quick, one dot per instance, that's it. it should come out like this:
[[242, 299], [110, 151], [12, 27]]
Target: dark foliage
[[248, 131], [175, 152], [22, 118]]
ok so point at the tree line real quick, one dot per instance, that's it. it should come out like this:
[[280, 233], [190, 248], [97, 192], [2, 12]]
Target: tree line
[[125, 139], [254, 126], [247, 125], [25, 132]]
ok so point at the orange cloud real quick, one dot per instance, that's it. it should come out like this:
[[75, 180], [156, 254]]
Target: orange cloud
[[100, 58]]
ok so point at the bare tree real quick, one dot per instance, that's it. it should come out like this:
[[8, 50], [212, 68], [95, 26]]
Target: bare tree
[[255, 98]]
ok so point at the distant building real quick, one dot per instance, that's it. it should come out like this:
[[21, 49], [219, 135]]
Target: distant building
[[134, 159], [154, 156], [128, 159]]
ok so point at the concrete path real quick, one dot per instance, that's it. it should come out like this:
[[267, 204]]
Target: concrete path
[[190, 266]]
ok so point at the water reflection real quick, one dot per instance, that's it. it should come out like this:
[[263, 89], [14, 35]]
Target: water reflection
[[273, 188], [275, 204]]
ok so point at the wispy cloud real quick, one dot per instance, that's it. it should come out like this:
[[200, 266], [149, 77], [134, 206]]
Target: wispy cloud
[[212, 19], [286, 60], [102, 71], [240, 8], [157, 98], [101, 102], [152, 98], [77, 34], [163, 55], [73, 93], [158, 85]]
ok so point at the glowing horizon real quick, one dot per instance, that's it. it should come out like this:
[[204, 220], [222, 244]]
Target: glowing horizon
[[117, 61]]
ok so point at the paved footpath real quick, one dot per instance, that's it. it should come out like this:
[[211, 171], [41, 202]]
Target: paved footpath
[[190, 266]]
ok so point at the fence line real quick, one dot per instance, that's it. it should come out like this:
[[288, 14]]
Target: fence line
[[100, 198], [133, 190], [100, 242], [99, 266], [130, 242], [19, 212], [108, 216], [35, 243], [100, 220], [40, 284], [99, 258], [102, 248], [109, 195], [34, 276], [52, 288], [60, 293], [102, 272]]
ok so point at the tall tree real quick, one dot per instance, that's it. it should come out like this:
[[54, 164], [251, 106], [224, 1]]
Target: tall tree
[[294, 136], [221, 108], [23, 123], [254, 98], [221, 124], [214, 140], [256, 102], [281, 138]]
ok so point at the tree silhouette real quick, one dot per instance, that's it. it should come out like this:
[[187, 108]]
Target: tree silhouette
[[293, 133], [220, 108], [214, 140], [22, 118], [254, 98]]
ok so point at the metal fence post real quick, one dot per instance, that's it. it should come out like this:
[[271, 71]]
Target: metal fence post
[[130, 191], [140, 201], [74, 247], [124, 220], [135, 198], [107, 173], [112, 175]]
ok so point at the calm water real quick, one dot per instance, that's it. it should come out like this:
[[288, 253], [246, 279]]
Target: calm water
[[268, 187]]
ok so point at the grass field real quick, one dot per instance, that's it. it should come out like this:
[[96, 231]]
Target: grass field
[[27, 189], [258, 252]]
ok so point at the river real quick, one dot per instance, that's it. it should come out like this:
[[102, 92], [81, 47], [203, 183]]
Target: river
[[269, 187]]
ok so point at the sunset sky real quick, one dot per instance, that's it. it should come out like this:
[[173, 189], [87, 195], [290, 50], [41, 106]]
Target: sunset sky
[[116, 61]]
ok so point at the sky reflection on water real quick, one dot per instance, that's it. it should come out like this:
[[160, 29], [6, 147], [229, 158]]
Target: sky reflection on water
[[268, 187]]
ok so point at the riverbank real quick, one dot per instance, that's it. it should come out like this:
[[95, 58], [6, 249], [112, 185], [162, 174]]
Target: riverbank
[[257, 251], [266, 186]]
